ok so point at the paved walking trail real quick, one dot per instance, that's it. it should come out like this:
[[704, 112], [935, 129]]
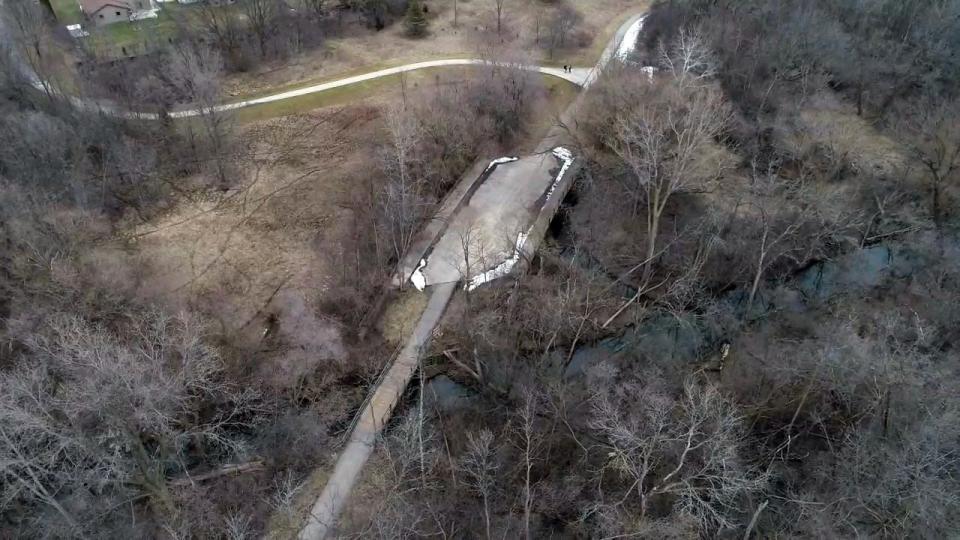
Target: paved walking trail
[[374, 416], [577, 76], [386, 394]]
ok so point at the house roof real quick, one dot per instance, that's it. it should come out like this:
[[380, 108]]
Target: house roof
[[92, 6]]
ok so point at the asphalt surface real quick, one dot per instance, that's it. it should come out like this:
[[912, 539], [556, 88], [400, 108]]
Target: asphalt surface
[[484, 232], [375, 414], [577, 76]]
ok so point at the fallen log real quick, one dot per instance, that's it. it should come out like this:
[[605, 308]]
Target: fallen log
[[226, 470]]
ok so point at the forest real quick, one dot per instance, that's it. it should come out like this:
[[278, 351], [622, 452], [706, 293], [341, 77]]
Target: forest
[[743, 322]]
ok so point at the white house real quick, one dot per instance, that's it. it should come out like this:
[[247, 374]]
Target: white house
[[101, 12]]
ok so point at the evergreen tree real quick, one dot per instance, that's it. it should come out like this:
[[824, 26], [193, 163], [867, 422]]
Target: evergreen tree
[[415, 22]]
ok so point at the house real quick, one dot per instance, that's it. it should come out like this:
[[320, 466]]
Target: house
[[212, 2], [101, 12]]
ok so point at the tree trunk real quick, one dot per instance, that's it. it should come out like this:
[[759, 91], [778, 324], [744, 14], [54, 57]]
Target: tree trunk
[[653, 229], [486, 515], [936, 203], [151, 479], [526, 498], [423, 462], [753, 520], [860, 98], [758, 275]]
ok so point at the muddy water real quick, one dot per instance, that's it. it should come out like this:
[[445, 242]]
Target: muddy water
[[443, 393]]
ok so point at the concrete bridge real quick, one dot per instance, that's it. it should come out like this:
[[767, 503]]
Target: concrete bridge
[[492, 221]]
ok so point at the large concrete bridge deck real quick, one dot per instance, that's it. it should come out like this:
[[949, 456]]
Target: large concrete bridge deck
[[485, 236]]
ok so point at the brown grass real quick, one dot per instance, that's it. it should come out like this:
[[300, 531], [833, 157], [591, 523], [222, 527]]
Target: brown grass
[[402, 315], [259, 258], [363, 49], [286, 523], [829, 121], [263, 252]]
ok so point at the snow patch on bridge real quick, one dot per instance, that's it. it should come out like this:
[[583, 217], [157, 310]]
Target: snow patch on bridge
[[507, 266], [629, 42]]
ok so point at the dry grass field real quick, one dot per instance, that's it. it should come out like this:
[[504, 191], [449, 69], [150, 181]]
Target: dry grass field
[[362, 49], [260, 257]]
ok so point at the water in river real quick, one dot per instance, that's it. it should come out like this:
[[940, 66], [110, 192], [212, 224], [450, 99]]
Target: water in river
[[666, 337], [444, 393]]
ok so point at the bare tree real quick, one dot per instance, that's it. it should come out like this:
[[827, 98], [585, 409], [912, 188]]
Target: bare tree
[[480, 466], [688, 449], [895, 486], [689, 59], [564, 19], [503, 94], [411, 456], [90, 408], [498, 7], [863, 59], [784, 220], [451, 139], [404, 198], [771, 237], [238, 526], [660, 144], [284, 496], [195, 73], [529, 443], [931, 131], [317, 7], [25, 28], [223, 25], [38, 459], [260, 16], [778, 224], [888, 425]]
